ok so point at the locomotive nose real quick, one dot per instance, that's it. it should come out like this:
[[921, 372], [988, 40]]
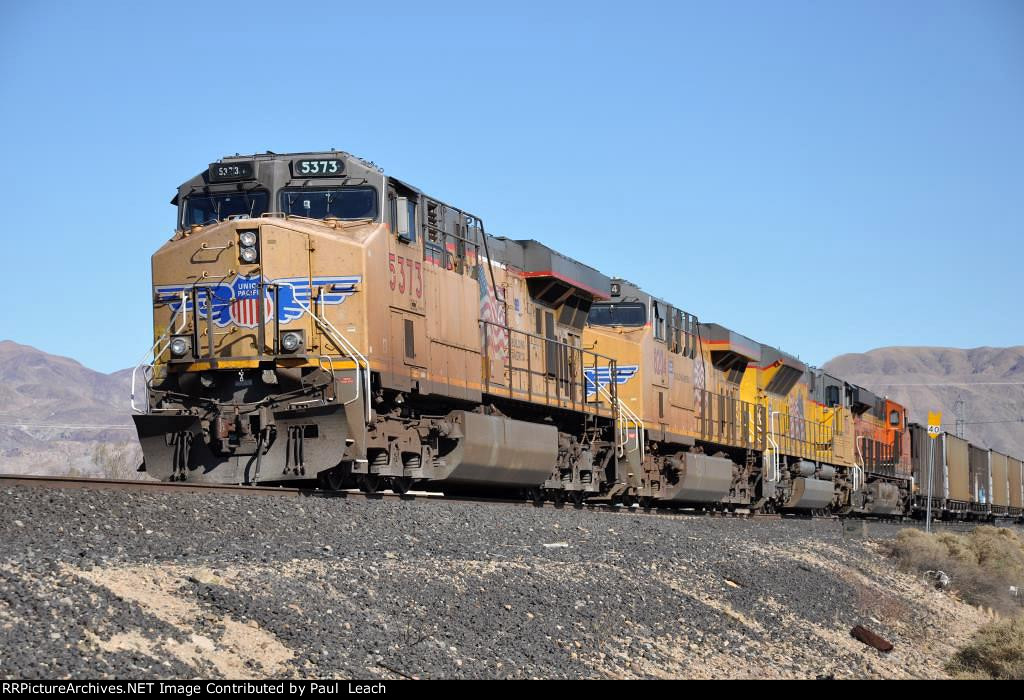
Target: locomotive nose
[[252, 312]]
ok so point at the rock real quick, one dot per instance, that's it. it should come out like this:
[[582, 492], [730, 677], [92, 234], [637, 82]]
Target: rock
[[205, 577], [865, 636]]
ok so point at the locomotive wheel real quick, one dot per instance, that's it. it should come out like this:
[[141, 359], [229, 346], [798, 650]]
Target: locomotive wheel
[[578, 498], [331, 480], [401, 485], [536, 496], [369, 483]]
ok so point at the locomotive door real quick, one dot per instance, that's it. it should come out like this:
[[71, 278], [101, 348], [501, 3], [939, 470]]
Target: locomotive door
[[291, 259], [409, 339]]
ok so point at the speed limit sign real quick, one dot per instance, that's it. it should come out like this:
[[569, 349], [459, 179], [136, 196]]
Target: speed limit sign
[[934, 424]]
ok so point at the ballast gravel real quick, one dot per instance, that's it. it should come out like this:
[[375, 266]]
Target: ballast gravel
[[192, 585]]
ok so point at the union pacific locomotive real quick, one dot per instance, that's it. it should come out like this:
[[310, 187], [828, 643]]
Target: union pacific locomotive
[[317, 319]]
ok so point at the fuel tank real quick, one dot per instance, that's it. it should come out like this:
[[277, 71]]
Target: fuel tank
[[810, 493], [498, 451], [701, 479]]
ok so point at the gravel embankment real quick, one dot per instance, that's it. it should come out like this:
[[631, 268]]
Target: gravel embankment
[[194, 585]]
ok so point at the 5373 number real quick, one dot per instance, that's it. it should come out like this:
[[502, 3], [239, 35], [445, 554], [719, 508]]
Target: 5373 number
[[318, 168], [406, 267]]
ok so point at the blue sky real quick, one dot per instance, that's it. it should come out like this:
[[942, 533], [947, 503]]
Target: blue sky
[[825, 177]]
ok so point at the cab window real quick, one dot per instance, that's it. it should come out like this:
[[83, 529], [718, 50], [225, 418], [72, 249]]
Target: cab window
[[201, 209], [659, 321], [410, 208], [627, 315], [339, 203]]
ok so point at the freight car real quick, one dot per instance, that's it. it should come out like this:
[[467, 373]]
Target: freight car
[[316, 318], [967, 482]]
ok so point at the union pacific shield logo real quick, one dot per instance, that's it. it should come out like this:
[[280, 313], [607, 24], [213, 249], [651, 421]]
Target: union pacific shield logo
[[244, 309], [238, 302], [602, 376]]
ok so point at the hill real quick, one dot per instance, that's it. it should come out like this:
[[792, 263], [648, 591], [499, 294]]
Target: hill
[[989, 381], [59, 417]]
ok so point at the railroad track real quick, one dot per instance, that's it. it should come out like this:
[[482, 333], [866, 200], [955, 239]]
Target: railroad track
[[67, 482], [7, 480]]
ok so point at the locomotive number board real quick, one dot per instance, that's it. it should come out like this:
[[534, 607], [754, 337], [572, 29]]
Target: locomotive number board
[[227, 172], [318, 167]]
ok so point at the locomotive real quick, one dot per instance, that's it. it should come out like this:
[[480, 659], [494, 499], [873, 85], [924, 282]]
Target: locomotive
[[318, 319]]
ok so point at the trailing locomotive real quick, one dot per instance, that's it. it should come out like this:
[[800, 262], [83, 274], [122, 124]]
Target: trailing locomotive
[[315, 318]]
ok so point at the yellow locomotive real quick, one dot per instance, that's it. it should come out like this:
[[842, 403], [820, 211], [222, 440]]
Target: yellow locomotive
[[730, 421], [315, 318]]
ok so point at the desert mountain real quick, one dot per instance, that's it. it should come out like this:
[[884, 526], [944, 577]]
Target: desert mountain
[[989, 381], [58, 417]]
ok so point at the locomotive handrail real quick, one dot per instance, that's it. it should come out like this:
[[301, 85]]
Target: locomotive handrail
[[776, 472], [343, 344], [150, 353], [858, 470], [569, 385], [623, 416], [631, 417]]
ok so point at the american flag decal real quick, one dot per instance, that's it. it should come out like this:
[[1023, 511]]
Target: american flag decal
[[492, 311], [246, 312]]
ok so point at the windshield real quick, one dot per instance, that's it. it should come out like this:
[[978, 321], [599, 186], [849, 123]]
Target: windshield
[[617, 315], [339, 203], [203, 209]]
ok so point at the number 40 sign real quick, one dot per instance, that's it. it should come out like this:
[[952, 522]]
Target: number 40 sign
[[934, 424]]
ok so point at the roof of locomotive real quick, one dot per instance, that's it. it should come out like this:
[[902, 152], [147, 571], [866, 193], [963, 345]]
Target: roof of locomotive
[[538, 260], [273, 170]]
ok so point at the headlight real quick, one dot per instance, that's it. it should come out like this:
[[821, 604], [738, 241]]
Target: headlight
[[180, 346], [248, 255], [291, 341], [247, 239]]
